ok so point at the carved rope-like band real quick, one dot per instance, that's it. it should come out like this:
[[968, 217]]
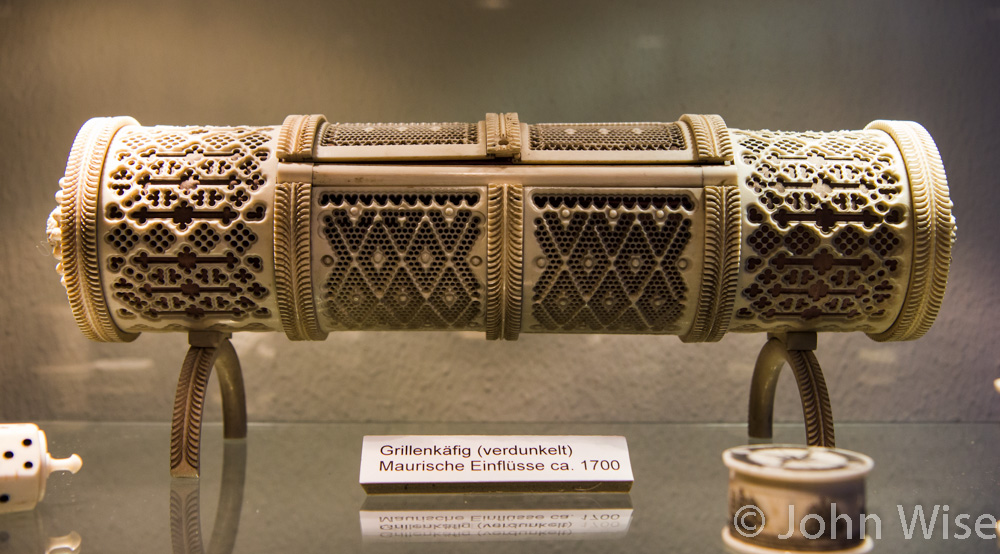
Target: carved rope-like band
[[721, 266], [292, 275], [297, 137], [504, 261], [711, 137], [933, 230], [731, 241], [78, 228], [185, 434]]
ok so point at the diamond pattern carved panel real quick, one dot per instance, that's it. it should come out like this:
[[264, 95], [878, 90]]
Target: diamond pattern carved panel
[[387, 260], [611, 261]]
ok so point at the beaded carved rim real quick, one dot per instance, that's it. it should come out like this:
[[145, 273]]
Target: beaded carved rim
[[292, 279], [78, 228], [934, 230]]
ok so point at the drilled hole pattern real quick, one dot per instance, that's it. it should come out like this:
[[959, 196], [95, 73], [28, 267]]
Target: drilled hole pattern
[[182, 220], [122, 237], [18, 459], [849, 241], [399, 134], [801, 241], [823, 240], [240, 237], [606, 136], [203, 238], [158, 238], [764, 240], [610, 263], [884, 242], [401, 261]]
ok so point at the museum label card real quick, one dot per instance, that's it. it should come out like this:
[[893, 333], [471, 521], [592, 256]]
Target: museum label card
[[495, 463]]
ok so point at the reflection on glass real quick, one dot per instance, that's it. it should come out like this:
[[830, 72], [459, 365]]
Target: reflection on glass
[[25, 532], [503, 517], [185, 506]]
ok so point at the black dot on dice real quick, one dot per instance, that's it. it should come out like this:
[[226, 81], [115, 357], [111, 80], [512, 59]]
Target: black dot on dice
[[28, 465], [4, 498], [26, 442], [8, 454]]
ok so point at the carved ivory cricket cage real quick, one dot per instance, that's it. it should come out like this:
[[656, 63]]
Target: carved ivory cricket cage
[[686, 228]]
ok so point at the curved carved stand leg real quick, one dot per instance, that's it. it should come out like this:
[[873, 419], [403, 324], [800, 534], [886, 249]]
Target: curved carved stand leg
[[208, 349], [795, 349], [185, 507]]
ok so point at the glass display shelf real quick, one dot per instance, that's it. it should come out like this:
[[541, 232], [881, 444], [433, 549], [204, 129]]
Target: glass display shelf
[[294, 488]]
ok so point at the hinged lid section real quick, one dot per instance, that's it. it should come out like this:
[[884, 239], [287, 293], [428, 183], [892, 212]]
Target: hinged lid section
[[313, 138], [400, 141], [694, 139]]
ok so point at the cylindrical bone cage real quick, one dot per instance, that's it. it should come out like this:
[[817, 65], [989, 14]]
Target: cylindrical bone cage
[[686, 228]]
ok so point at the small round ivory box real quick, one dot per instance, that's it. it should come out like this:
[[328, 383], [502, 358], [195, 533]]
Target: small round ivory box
[[789, 498]]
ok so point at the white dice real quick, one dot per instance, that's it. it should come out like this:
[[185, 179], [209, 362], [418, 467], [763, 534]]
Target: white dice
[[25, 465]]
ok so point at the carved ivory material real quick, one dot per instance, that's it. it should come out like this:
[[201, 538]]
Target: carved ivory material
[[772, 485], [687, 228]]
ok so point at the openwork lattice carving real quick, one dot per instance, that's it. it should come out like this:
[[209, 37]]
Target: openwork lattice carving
[[399, 134], [826, 231], [611, 263], [184, 210], [501, 227], [394, 260], [606, 136], [685, 227]]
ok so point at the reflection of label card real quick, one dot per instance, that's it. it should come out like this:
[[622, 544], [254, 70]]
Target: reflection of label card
[[472, 525], [486, 463]]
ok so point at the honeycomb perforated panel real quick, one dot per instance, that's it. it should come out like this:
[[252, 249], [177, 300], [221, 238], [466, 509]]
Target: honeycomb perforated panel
[[611, 261], [399, 134], [606, 136], [399, 260]]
